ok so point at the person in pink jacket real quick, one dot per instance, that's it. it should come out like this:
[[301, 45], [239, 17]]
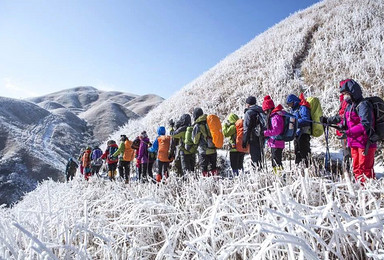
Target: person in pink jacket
[[275, 127], [357, 124]]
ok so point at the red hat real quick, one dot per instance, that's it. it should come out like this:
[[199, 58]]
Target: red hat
[[268, 103]]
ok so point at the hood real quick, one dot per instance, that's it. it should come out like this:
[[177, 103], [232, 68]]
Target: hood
[[293, 99], [278, 108], [232, 118], [197, 112], [353, 88], [303, 101], [201, 118], [161, 130], [185, 120]]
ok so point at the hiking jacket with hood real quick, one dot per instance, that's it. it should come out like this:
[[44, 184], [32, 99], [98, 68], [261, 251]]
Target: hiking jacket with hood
[[179, 134], [201, 134], [251, 122], [358, 118], [229, 130], [106, 153], [275, 128], [86, 160], [301, 110], [142, 154]]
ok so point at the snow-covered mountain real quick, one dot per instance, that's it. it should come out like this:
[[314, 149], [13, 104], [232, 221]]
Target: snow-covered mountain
[[36, 139], [255, 216], [104, 111]]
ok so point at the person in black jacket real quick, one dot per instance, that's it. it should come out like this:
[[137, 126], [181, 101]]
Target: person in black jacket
[[252, 130]]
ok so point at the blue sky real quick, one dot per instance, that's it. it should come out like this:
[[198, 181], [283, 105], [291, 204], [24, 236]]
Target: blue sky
[[140, 47]]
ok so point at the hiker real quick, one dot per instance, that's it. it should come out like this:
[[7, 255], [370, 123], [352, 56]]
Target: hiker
[[252, 131], [161, 147], [206, 149], [341, 136], [80, 160], [186, 153], [152, 157], [236, 157], [274, 127], [135, 146], [142, 156], [174, 150], [96, 161], [71, 169], [357, 124], [86, 162], [125, 153], [111, 160], [300, 108]]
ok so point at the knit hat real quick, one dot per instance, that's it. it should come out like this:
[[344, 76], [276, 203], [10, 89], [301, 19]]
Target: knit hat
[[143, 134], [251, 100], [268, 103]]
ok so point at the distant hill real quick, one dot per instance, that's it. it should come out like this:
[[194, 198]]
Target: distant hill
[[38, 135]]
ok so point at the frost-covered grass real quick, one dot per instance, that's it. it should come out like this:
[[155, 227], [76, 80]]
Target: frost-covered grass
[[254, 216]]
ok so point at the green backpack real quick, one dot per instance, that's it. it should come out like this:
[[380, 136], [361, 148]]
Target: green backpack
[[316, 113], [188, 142]]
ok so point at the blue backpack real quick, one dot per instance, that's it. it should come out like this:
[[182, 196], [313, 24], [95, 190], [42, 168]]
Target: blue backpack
[[96, 160], [290, 128], [111, 151]]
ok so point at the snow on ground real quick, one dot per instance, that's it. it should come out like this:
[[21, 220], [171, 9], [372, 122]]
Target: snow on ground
[[253, 216]]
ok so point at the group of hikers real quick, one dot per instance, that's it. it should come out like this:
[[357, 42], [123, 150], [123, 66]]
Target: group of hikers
[[357, 122]]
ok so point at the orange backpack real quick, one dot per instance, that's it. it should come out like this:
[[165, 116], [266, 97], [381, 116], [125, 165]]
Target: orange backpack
[[129, 153], [239, 137], [164, 144], [216, 131]]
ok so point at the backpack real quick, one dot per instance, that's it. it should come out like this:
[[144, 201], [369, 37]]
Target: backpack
[[239, 137], [135, 144], [188, 141], [96, 160], [215, 130], [290, 127], [129, 153], [111, 151], [164, 144], [378, 112], [316, 113]]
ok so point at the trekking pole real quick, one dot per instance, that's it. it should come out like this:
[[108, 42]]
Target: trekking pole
[[290, 158], [327, 154]]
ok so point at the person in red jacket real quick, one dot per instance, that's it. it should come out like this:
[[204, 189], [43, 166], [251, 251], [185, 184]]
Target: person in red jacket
[[111, 160]]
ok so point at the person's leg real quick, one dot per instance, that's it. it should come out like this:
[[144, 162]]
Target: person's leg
[[204, 164], [213, 162], [356, 163], [366, 163], [255, 151], [305, 148], [120, 167]]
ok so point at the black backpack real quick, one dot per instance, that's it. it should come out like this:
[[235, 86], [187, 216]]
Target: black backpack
[[378, 111], [290, 128]]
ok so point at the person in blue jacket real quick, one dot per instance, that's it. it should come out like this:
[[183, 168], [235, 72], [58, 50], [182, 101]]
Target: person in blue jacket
[[301, 109]]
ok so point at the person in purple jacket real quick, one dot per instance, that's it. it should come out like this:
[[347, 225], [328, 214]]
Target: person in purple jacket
[[357, 124], [275, 127], [143, 156]]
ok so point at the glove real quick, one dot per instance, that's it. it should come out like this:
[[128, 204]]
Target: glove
[[324, 120]]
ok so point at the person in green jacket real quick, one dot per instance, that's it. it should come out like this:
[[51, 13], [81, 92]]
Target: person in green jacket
[[236, 157], [206, 148], [186, 153]]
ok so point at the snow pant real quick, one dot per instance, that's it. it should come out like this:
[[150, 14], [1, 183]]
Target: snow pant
[[363, 164], [71, 174], [207, 160], [177, 166], [149, 170], [163, 168], [112, 170], [124, 169], [143, 170], [95, 169], [237, 160], [302, 148], [255, 152], [188, 162], [277, 157]]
